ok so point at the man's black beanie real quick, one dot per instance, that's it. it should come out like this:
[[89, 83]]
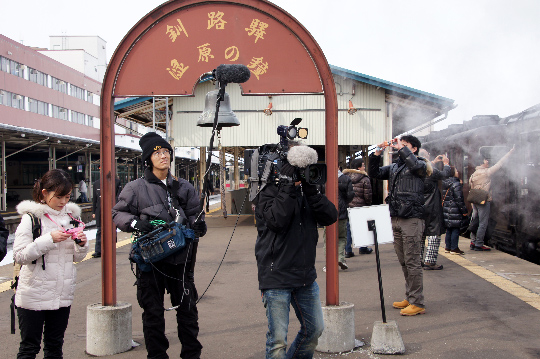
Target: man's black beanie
[[150, 143]]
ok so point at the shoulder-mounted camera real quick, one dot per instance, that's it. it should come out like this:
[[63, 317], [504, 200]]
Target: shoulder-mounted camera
[[263, 165]]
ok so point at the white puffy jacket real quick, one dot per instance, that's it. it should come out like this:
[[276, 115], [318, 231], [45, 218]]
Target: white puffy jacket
[[53, 287]]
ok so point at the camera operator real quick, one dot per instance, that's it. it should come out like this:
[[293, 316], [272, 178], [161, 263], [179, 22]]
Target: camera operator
[[406, 201], [153, 197], [287, 214]]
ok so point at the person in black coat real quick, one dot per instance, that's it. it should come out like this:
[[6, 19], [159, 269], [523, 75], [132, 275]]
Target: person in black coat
[[454, 211], [287, 215], [433, 209], [345, 196], [96, 211], [4, 234], [406, 203], [158, 196]]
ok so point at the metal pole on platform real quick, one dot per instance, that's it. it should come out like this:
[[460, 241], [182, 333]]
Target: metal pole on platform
[[373, 228]]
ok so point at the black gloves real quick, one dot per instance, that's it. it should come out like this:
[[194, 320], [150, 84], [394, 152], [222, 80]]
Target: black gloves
[[200, 228], [309, 189], [287, 169], [287, 172], [141, 225]]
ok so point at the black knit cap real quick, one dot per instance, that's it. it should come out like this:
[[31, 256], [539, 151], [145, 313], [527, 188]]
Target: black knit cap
[[152, 142]]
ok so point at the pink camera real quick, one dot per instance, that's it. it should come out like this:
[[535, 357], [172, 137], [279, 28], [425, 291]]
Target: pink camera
[[74, 231]]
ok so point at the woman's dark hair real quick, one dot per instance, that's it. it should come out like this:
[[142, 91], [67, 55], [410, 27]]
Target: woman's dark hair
[[57, 181], [357, 163], [452, 171], [413, 140]]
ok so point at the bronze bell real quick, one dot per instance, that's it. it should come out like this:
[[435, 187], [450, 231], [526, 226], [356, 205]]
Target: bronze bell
[[226, 117]]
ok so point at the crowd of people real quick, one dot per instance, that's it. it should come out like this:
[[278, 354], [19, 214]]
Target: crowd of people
[[288, 214]]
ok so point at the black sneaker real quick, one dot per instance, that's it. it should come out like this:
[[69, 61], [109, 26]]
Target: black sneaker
[[349, 255], [482, 249], [428, 266], [343, 265], [96, 255], [365, 250]]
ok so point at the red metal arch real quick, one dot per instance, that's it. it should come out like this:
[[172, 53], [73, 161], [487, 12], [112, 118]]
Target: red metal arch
[[134, 41]]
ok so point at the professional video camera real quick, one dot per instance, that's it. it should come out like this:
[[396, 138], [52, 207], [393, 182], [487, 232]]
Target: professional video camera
[[264, 164]]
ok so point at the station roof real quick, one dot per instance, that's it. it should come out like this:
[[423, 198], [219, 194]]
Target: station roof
[[392, 87], [412, 107]]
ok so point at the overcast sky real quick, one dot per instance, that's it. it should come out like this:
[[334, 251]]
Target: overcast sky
[[484, 54]]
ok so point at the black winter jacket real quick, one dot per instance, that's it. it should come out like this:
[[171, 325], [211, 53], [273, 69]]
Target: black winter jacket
[[454, 207], [147, 198], [434, 225], [406, 183], [287, 234], [4, 234], [345, 195]]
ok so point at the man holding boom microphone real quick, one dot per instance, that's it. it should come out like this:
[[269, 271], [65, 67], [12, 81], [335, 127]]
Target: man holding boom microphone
[[287, 213], [406, 201], [158, 196]]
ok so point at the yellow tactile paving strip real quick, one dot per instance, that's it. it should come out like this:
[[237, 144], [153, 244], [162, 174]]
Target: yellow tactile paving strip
[[516, 290]]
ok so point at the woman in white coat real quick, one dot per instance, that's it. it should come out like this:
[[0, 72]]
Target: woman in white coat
[[47, 277]]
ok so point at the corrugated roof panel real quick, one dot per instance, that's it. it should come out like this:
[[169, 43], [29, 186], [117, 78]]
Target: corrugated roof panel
[[365, 127]]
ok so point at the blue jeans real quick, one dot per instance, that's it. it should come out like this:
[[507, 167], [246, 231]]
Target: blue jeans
[[481, 210], [307, 306], [452, 238], [348, 245]]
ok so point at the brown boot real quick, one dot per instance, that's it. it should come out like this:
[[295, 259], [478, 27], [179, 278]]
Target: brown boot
[[412, 310], [401, 305]]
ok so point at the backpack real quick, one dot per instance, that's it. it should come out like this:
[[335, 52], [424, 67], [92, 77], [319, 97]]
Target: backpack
[[36, 232]]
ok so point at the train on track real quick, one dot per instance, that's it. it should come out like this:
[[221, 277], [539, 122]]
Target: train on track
[[515, 210]]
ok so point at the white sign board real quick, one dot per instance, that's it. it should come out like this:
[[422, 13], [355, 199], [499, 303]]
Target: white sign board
[[361, 235]]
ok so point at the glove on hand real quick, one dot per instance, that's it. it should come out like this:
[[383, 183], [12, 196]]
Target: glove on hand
[[142, 225], [286, 173], [287, 170], [200, 228], [309, 189]]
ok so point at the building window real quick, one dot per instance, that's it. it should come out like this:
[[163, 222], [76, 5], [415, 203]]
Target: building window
[[32, 172], [59, 112], [59, 85], [77, 117], [16, 68], [17, 101], [32, 105], [39, 107], [37, 76], [5, 98], [91, 121], [4, 64], [77, 92], [89, 97]]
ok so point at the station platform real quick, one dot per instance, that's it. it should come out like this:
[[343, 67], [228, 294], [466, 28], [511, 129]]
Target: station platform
[[481, 305]]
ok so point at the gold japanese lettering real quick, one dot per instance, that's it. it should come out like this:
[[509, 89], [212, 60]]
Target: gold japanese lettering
[[216, 19], [177, 69], [204, 52], [258, 67], [232, 53], [176, 30], [257, 28]]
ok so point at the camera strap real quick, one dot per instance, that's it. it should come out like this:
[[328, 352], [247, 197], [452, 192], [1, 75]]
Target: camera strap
[[254, 176]]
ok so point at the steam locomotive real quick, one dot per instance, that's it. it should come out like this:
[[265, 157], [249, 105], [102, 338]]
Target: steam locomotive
[[514, 223]]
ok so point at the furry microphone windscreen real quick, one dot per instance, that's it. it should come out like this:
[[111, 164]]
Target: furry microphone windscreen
[[302, 156], [235, 73]]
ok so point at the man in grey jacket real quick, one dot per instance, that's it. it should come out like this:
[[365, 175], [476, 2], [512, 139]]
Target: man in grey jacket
[[140, 204]]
